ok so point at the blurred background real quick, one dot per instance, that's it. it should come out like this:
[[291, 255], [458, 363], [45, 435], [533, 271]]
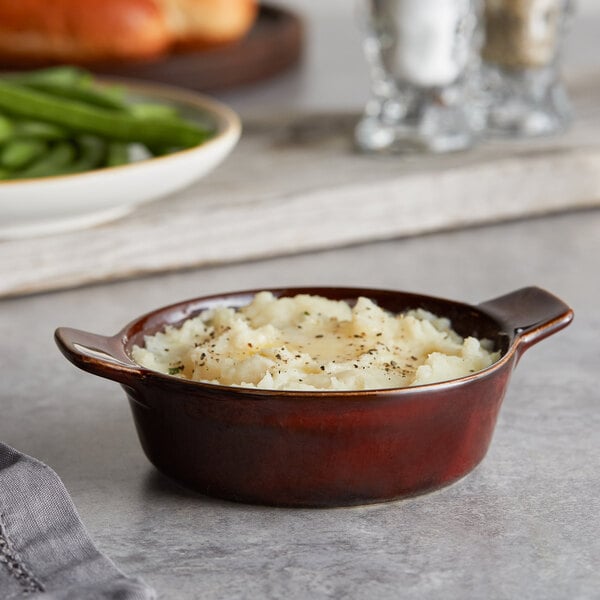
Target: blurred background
[[325, 73], [333, 41]]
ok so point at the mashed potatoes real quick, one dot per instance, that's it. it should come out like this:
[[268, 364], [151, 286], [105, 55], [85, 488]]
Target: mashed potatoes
[[312, 343]]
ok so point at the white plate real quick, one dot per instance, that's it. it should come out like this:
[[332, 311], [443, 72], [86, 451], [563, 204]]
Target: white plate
[[48, 205]]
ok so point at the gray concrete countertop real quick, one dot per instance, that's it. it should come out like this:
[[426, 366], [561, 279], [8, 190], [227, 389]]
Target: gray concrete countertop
[[523, 525]]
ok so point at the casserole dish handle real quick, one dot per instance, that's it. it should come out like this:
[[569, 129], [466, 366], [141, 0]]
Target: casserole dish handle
[[97, 354], [530, 313]]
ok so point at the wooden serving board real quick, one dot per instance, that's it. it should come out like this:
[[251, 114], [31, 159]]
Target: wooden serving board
[[273, 45], [294, 184]]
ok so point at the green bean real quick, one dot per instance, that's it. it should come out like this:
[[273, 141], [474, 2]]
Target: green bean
[[24, 102], [153, 111], [117, 154], [18, 153], [74, 83], [88, 95], [159, 150], [16, 129], [39, 130], [57, 121], [54, 162], [63, 75], [6, 129], [92, 154]]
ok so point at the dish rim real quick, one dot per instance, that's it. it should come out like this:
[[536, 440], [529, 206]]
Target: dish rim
[[124, 337]]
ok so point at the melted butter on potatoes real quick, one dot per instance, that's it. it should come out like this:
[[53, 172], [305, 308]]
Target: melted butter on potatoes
[[312, 343]]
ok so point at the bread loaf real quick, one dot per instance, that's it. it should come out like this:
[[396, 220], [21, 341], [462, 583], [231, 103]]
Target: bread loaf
[[90, 31], [34, 31]]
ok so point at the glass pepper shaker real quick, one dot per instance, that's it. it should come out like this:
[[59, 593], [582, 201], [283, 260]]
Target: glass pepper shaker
[[521, 53]]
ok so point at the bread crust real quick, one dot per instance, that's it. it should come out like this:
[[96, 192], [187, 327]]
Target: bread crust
[[198, 24], [36, 32], [82, 30]]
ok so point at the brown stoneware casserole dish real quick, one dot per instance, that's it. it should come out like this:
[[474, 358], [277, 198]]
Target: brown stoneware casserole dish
[[330, 448]]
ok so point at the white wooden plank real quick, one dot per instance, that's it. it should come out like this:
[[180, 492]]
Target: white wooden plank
[[294, 184]]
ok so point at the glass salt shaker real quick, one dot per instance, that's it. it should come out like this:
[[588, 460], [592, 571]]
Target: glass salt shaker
[[423, 57], [521, 55]]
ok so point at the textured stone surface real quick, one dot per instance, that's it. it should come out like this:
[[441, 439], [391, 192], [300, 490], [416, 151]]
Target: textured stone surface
[[525, 524]]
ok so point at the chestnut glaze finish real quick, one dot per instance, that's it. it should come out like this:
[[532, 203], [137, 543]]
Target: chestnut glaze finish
[[325, 448]]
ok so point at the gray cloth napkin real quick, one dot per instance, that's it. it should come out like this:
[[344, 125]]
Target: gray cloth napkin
[[45, 551]]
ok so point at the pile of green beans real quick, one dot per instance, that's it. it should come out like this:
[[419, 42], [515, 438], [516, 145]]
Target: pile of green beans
[[59, 121]]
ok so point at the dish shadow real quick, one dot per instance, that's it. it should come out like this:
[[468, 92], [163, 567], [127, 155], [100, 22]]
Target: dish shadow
[[157, 485]]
